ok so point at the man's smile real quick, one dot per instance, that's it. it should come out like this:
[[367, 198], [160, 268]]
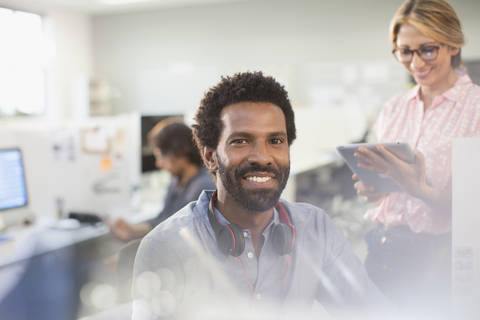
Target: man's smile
[[259, 179], [263, 179]]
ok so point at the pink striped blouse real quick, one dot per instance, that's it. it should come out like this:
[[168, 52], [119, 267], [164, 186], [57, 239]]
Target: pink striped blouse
[[455, 113]]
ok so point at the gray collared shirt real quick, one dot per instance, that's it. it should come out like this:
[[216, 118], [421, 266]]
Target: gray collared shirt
[[181, 274]]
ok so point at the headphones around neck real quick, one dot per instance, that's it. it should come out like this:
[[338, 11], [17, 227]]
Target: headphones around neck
[[230, 239]]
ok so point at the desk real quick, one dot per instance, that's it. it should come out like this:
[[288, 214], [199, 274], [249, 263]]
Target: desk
[[42, 278], [38, 239]]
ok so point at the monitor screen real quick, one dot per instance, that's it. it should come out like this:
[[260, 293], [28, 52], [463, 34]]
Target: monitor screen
[[13, 189]]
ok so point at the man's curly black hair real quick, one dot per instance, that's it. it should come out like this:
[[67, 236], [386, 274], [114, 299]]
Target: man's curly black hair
[[242, 87]]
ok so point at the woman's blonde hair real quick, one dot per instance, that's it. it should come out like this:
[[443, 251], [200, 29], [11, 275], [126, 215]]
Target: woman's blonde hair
[[435, 19]]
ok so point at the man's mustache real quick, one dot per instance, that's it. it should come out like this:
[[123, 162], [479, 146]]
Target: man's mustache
[[257, 168]]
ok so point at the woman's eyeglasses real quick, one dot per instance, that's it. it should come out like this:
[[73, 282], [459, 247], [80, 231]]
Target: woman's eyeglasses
[[427, 53]]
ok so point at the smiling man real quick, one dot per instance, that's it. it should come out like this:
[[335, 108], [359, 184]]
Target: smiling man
[[241, 252]]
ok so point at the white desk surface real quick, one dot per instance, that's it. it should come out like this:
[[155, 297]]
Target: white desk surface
[[27, 242], [40, 238]]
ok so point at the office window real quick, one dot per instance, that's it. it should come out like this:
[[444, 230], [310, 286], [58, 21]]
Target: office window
[[22, 63]]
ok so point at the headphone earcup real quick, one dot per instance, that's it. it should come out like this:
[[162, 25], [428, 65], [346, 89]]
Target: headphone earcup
[[282, 237], [228, 244], [239, 239], [225, 240]]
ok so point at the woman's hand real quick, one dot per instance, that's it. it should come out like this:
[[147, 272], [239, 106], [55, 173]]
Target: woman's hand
[[411, 178], [367, 192]]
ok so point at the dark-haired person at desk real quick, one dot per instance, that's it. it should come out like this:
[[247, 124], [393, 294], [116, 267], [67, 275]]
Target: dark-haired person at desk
[[410, 249], [241, 252], [175, 151]]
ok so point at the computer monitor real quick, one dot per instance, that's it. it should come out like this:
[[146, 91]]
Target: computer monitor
[[13, 187]]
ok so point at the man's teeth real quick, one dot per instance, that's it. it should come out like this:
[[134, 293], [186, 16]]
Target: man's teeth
[[259, 179]]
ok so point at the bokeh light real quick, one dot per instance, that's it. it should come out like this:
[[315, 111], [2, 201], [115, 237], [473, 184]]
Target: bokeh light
[[103, 296], [148, 284], [167, 277], [163, 304]]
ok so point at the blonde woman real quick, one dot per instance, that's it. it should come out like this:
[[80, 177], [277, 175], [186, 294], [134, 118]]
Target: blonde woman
[[410, 249]]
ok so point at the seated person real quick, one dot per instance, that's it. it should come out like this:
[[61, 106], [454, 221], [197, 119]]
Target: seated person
[[175, 151], [240, 252]]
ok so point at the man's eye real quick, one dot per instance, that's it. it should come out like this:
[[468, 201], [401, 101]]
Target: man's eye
[[277, 141], [239, 141]]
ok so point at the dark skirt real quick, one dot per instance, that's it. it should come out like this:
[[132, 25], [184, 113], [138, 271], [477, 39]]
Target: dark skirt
[[413, 270]]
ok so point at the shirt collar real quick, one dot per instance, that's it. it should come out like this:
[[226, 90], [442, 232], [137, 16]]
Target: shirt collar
[[414, 93], [458, 91], [275, 219], [207, 196], [455, 93]]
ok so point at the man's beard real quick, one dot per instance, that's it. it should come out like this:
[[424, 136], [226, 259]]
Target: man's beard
[[254, 200]]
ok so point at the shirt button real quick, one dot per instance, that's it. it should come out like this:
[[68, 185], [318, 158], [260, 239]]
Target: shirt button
[[245, 234], [384, 239], [249, 255], [259, 296]]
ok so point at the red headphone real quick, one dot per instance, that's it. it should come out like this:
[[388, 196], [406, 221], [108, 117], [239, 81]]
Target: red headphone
[[230, 239]]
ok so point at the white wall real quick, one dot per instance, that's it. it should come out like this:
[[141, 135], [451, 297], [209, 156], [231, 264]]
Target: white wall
[[465, 222], [281, 36], [72, 61], [70, 32]]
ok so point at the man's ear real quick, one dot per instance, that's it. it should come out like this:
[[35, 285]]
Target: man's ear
[[210, 159]]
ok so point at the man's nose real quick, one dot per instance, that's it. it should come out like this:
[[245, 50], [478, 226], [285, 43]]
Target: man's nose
[[260, 154]]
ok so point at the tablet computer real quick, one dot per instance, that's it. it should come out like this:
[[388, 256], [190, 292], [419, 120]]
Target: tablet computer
[[380, 181]]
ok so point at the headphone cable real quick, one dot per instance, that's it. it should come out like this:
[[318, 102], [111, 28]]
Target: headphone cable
[[288, 260], [245, 273]]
